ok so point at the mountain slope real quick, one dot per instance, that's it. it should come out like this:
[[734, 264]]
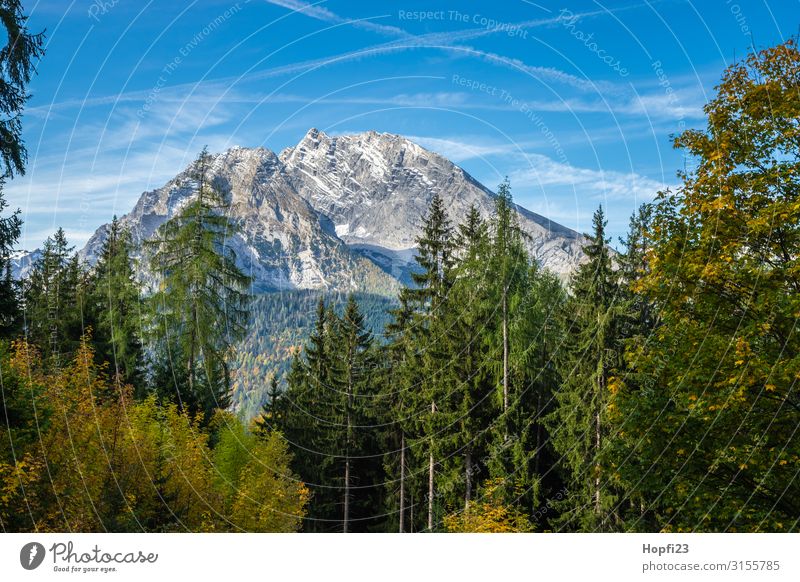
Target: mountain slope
[[283, 243], [337, 213], [376, 188]]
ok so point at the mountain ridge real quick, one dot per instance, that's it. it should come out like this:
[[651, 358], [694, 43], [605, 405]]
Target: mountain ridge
[[337, 213]]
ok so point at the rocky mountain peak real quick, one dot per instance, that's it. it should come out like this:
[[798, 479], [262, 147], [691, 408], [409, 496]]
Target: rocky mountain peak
[[338, 212]]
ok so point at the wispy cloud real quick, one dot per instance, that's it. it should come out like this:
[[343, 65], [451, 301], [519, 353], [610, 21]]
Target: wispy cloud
[[540, 172], [319, 12]]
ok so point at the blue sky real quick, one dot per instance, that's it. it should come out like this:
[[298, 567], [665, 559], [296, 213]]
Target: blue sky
[[574, 101]]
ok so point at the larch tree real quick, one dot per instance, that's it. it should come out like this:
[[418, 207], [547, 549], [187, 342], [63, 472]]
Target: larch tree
[[201, 303]]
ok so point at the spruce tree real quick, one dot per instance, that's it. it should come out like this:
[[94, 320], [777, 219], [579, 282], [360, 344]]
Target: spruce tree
[[312, 422], [272, 413], [578, 422], [201, 304], [361, 458], [397, 379], [10, 227], [17, 65], [507, 286], [470, 312], [432, 278], [118, 313], [54, 301]]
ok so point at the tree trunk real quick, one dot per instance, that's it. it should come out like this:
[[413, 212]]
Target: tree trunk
[[538, 431], [430, 491], [402, 482], [468, 479], [346, 493], [190, 363], [505, 351], [347, 453], [430, 477], [597, 432]]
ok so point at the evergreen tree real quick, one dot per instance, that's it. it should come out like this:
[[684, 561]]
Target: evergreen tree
[[398, 378], [433, 279], [470, 314], [10, 227], [361, 458], [271, 418], [313, 420], [17, 64], [507, 288], [116, 302], [201, 303], [54, 300], [588, 363]]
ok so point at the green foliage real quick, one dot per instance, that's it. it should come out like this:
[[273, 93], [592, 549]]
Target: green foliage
[[117, 307], [578, 423], [10, 312], [709, 417], [201, 302], [280, 323], [54, 300], [81, 455], [657, 393], [17, 64]]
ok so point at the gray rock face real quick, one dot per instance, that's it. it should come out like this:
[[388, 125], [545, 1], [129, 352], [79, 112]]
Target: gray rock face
[[338, 213], [376, 188]]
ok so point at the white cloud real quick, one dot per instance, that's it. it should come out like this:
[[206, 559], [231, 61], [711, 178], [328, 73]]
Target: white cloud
[[318, 12]]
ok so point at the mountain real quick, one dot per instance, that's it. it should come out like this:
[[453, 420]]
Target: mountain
[[376, 188], [338, 213], [22, 261], [284, 242]]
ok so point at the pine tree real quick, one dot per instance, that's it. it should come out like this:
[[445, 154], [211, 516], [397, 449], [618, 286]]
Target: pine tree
[[201, 303], [10, 228], [115, 299], [433, 279], [54, 301], [577, 424]]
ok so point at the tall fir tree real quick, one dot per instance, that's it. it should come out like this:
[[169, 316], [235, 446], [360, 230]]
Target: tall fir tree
[[355, 364], [17, 65], [10, 228], [433, 279], [470, 313], [201, 304], [312, 422], [507, 286], [118, 311], [54, 299], [587, 364]]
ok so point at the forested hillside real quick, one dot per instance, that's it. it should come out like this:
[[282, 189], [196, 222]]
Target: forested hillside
[[279, 326]]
